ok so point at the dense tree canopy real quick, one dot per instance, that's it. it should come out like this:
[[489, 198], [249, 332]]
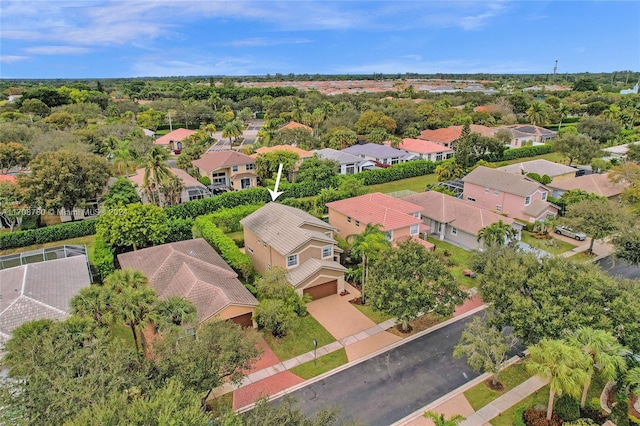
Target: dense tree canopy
[[134, 226]]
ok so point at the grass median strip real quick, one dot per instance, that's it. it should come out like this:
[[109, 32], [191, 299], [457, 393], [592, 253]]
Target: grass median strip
[[299, 338], [324, 363], [480, 395]]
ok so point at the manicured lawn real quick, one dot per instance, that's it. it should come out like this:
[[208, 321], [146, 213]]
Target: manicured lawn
[[238, 235], [460, 257], [582, 257], [88, 241], [539, 397], [375, 316], [416, 184], [480, 395], [298, 340], [324, 364], [552, 156], [552, 245]]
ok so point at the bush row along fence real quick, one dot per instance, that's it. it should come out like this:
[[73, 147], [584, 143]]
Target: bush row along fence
[[253, 196]]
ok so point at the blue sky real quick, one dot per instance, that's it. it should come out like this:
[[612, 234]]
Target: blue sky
[[102, 39]]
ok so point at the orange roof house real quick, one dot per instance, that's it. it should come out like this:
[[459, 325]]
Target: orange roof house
[[426, 150], [301, 152], [448, 135], [293, 125], [173, 140]]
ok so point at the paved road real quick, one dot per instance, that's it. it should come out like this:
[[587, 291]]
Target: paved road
[[619, 267], [394, 384]]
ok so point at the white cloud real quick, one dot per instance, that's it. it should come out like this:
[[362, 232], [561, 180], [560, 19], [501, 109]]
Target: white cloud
[[474, 22], [151, 66], [10, 59], [57, 50], [265, 41]]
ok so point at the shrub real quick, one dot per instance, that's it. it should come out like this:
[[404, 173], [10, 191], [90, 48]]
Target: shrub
[[567, 408], [518, 417], [228, 220], [240, 262], [582, 422], [229, 200], [63, 231], [594, 412], [179, 229], [397, 172], [534, 417], [103, 258], [527, 151]]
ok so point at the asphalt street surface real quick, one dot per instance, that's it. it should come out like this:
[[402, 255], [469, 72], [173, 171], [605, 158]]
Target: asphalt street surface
[[619, 267], [392, 385]]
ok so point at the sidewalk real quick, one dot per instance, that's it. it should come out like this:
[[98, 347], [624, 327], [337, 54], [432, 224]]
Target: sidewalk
[[600, 248]]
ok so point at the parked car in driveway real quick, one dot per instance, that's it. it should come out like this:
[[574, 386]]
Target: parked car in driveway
[[568, 232]]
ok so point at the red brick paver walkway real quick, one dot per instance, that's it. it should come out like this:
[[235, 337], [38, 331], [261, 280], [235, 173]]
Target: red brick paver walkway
[[269, 386], [267, 359], [468, 305]]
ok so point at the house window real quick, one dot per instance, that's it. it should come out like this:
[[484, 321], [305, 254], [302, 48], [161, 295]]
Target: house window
[[416, 215], [394, 161], [249, 249], [544, 196], [327, 251], [486, 189], [471, 199], [527, 200], [328, 234], [414, 229], [234, 168], [498, 208], [292, 261], [248, 167], [269, 266], [259, 241], [496, 192], [454, 231], [348, 219], [245, 183], [219, 178], [350, 170], [439, 156], [388, 235], [264, 244], [357, 223]]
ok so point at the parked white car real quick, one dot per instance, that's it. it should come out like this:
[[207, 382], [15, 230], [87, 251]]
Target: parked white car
[[568, 232]]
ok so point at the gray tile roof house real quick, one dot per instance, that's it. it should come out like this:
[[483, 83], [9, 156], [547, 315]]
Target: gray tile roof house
[[349, 163], [381, 153], [541, 167], [40, 291], [194, 270], [501, 180]]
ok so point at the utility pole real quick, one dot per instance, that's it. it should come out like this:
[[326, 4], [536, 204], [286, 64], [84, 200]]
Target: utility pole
[[555, 69]]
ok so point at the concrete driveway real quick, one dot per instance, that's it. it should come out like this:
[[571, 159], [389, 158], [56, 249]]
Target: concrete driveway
[[338, 316]]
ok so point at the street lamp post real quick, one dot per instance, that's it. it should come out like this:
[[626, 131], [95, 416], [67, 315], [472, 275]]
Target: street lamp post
[[315, 346]]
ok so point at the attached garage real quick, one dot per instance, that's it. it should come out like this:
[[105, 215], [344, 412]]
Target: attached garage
[[243, 320], [322, 290]]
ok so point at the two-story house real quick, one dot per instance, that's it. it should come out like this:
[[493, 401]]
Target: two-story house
[[399, 220], [425, 150], [349, 163], [228, 169], [506, 193], [457, 221], [556, 171], [381, 154], [283, 236]]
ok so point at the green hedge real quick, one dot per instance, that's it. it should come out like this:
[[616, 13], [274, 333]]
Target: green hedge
[[228, 220], [48, 234], [103, 258], [229, 200], [225, 246], [179, 230], [399, 171], [527, 151]]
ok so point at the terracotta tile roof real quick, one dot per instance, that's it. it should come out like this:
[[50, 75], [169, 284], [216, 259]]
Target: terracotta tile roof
[[186, 178], [176, 135], [191, 269], [541, 167], [538, 207], [300, 274], [301, 152], [8, 178], [598, 184], [40, 291], [378, 209], [452, 133], [461, 214], [422, 146], [502, 181], [285, 228], [295, 125], [212, 161]]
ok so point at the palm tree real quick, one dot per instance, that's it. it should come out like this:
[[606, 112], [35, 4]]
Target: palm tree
[[603, 349], [368, 244], [156, 171], [232, 129], [94, 302], [123, 157], [537, 114], [172, 188], [441, 420], [174, 310], [497, 234], [133, 300], [633, 380], [563, 111], [564, 365]]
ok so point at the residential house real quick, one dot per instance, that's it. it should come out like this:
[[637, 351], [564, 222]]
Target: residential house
[[42, 290], [599, 184], [294, 125], [456, 221], [302, 155], [425, 150], [283, 236], [528, 134], [381, 154], [173, 140], [448, 136], [349, 163], [228, 169], [557, 172], [398, 219], [194, 270], [507, 193], [193, 189], [618, 153]]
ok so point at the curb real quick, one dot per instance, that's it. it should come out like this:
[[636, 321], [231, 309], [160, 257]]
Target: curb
[[364, 358]]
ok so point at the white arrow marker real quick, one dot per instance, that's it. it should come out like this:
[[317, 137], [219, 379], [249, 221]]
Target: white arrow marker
[[275, 194]]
